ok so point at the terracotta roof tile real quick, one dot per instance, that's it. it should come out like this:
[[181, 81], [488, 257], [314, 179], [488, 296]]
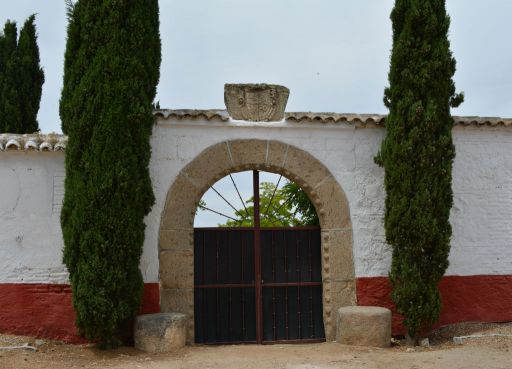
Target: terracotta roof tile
[[376, 119], [33, 142], [58, 142], [210, 114], [312, 117], [482, 121]]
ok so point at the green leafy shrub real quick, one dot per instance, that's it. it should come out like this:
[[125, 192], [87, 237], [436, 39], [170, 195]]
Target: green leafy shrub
[[288, 206]]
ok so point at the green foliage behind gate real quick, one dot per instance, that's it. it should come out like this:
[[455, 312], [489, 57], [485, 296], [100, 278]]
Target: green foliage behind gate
[[111, 72], [417, 156]]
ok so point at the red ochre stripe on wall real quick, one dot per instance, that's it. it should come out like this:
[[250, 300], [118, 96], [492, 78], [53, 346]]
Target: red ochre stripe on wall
[[478, 298], [45, 310]]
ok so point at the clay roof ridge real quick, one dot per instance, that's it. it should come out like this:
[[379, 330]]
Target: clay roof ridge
[[324, 117], [208, 114], [33, 142]]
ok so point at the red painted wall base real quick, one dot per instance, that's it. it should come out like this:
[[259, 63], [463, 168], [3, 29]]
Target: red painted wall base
[[478, 298], [46, 311]]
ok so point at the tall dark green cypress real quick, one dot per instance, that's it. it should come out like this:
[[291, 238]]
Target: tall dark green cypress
[[111, 71], [10, 109], [31, 76], [417, 155], [21, 78]]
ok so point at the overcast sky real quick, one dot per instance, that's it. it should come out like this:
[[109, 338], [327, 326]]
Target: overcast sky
[[332, 54]]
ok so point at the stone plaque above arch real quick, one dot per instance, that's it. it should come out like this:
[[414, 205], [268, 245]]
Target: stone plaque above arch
[[176, 228]]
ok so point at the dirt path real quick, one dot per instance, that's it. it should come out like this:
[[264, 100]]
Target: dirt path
[[487, 353]]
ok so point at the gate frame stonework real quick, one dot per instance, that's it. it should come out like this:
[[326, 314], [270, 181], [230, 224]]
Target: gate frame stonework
[[176, 236]]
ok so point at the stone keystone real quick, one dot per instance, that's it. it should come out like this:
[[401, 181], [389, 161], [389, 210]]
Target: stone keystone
[[364, 326], [160, 332], [256, 102]]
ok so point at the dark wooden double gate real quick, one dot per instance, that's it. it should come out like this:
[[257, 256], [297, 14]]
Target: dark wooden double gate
[[232, 307], [257, 285]]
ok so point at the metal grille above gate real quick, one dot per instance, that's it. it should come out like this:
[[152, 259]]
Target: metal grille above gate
[[257, 285]]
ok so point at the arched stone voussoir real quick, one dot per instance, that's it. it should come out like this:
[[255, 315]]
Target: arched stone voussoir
[[276, 155], [176, 239], [209, 166], [337, 255], [303, 168], [176, 268], [331, 204], [248, 154], [180, 204]]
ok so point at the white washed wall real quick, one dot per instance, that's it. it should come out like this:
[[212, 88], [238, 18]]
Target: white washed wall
[[482, 211], [30, 239], [31, 189], [482, 230]]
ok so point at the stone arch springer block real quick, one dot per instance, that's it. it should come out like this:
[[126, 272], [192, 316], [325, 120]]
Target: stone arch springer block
[[176, 236]]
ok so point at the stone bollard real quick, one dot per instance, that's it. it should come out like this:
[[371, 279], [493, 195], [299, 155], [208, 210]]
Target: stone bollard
[[364, 326], [160, 332]]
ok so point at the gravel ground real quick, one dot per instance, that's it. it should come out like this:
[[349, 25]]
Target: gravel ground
[[486, 353]]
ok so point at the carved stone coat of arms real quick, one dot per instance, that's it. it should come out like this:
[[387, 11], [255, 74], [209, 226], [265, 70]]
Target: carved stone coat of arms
[[256, 102]]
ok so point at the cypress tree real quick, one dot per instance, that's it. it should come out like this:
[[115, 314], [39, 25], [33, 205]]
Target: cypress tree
[[111, 71], [31, 76], [10, 109], [417, 155], [21, 78]]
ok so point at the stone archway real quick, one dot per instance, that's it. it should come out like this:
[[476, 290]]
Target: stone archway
[[176, 228]]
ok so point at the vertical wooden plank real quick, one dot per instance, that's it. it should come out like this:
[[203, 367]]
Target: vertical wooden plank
[[257, 256], [311, 310]]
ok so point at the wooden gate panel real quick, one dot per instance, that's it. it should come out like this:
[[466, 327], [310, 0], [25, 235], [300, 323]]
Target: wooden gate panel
[[224, 294], [291, 284], [290, 255], [223, 256], [292, 314]]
